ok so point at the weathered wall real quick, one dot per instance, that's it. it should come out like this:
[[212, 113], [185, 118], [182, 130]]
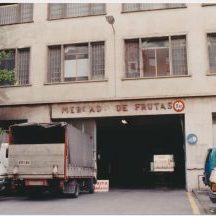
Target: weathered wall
[[194, 21]]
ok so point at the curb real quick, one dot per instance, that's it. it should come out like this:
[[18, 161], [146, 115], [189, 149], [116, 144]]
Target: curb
[[200, 203]]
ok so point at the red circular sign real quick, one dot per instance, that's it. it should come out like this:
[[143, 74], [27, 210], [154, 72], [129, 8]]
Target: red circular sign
[[178, 105]]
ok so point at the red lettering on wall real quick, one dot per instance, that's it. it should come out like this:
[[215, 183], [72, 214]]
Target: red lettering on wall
[[64, 110], [123, 107]]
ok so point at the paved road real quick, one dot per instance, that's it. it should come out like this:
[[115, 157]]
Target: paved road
[[119, 201], [207, 205]]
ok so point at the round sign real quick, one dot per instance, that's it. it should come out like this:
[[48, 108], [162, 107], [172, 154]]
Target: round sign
[[192, 138], [178, 105]]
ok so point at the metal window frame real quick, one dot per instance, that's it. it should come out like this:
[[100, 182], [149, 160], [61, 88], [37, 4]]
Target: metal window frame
[[62, 47], [142, 10], [18, 20], [69, 17], [208, 56], [169, 37], [16, 58]]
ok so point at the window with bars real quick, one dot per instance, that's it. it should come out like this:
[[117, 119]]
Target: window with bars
[[212, 52], [208, 4], [76, 62], [67, 10], [130, 7], [14, 66], [156, 57], [16, 13]]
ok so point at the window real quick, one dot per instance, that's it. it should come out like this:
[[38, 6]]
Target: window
[[208, 4], [79, 62], [130, 7], [16, 13], [63, 10], [14, 66], [156, 57], [212, 52]]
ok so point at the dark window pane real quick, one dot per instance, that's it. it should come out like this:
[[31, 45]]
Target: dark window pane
[[163, 67], [56, 11], [8, 59], [132, 58], [179, 55], [23, 66], [149, 62], [97, 60], [16, 13], [54, 64], [26, 12], [129, 7], [212, 52]]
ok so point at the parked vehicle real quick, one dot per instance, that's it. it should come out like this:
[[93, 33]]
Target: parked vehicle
[[3, 166], [53, 156], [209, 173]]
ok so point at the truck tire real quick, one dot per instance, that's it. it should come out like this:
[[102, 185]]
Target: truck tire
[[91, 186], [212, 196], [76, 191]]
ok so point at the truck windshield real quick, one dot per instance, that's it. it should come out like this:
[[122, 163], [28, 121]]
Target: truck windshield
[[213, 159], [37, 135]]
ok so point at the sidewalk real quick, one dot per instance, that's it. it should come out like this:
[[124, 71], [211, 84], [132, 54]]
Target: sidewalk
[[205, 203]]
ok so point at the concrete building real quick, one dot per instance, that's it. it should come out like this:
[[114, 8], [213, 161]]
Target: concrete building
[[145, 73]]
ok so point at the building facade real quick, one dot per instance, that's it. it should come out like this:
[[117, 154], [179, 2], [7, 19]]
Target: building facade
[[69, 62]]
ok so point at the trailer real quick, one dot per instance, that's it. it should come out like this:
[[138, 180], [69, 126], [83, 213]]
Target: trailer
[[58, 157]]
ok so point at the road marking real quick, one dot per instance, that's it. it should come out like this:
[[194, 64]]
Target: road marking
[[193, 204]]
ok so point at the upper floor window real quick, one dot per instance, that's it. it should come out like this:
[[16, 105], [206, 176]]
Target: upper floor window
[[156, 57], [212, 52], [208, 4], [79, 62], [130, 7], [66, 10], [16, 13], [14, 66]]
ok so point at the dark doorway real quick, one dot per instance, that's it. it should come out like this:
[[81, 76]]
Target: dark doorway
[[125, 151]]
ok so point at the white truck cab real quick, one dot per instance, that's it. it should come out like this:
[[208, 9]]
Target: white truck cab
[[3, 165]]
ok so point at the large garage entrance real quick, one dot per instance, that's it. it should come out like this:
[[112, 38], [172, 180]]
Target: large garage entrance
[[126, 146]]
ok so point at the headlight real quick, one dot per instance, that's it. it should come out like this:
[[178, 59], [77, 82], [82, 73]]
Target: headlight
[[213, 187]]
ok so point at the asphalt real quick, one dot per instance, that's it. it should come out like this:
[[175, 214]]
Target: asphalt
[[117, 202], [205, 204]]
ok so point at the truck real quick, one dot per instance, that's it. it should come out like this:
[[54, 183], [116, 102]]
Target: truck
[[3, 166], [56, 157]]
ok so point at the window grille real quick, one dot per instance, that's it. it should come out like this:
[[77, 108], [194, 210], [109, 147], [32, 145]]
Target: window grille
[[66, 10], [17, 62], [212, 52], [97, 60], [161, 57], [16, 13], [179, 56], [54, 67], [130, 7], [132, 56], [23, 66], [79, 62]]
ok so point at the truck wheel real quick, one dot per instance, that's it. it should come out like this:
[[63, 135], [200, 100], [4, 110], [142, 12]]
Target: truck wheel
[[76, 192], [212, 197], [91, 186]]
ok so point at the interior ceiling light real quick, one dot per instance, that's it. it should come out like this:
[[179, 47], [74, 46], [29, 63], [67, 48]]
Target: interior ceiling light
[[124, 121]]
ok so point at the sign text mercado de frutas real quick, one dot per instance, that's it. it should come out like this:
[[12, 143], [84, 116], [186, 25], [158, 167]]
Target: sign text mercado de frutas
[[117, 108]]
